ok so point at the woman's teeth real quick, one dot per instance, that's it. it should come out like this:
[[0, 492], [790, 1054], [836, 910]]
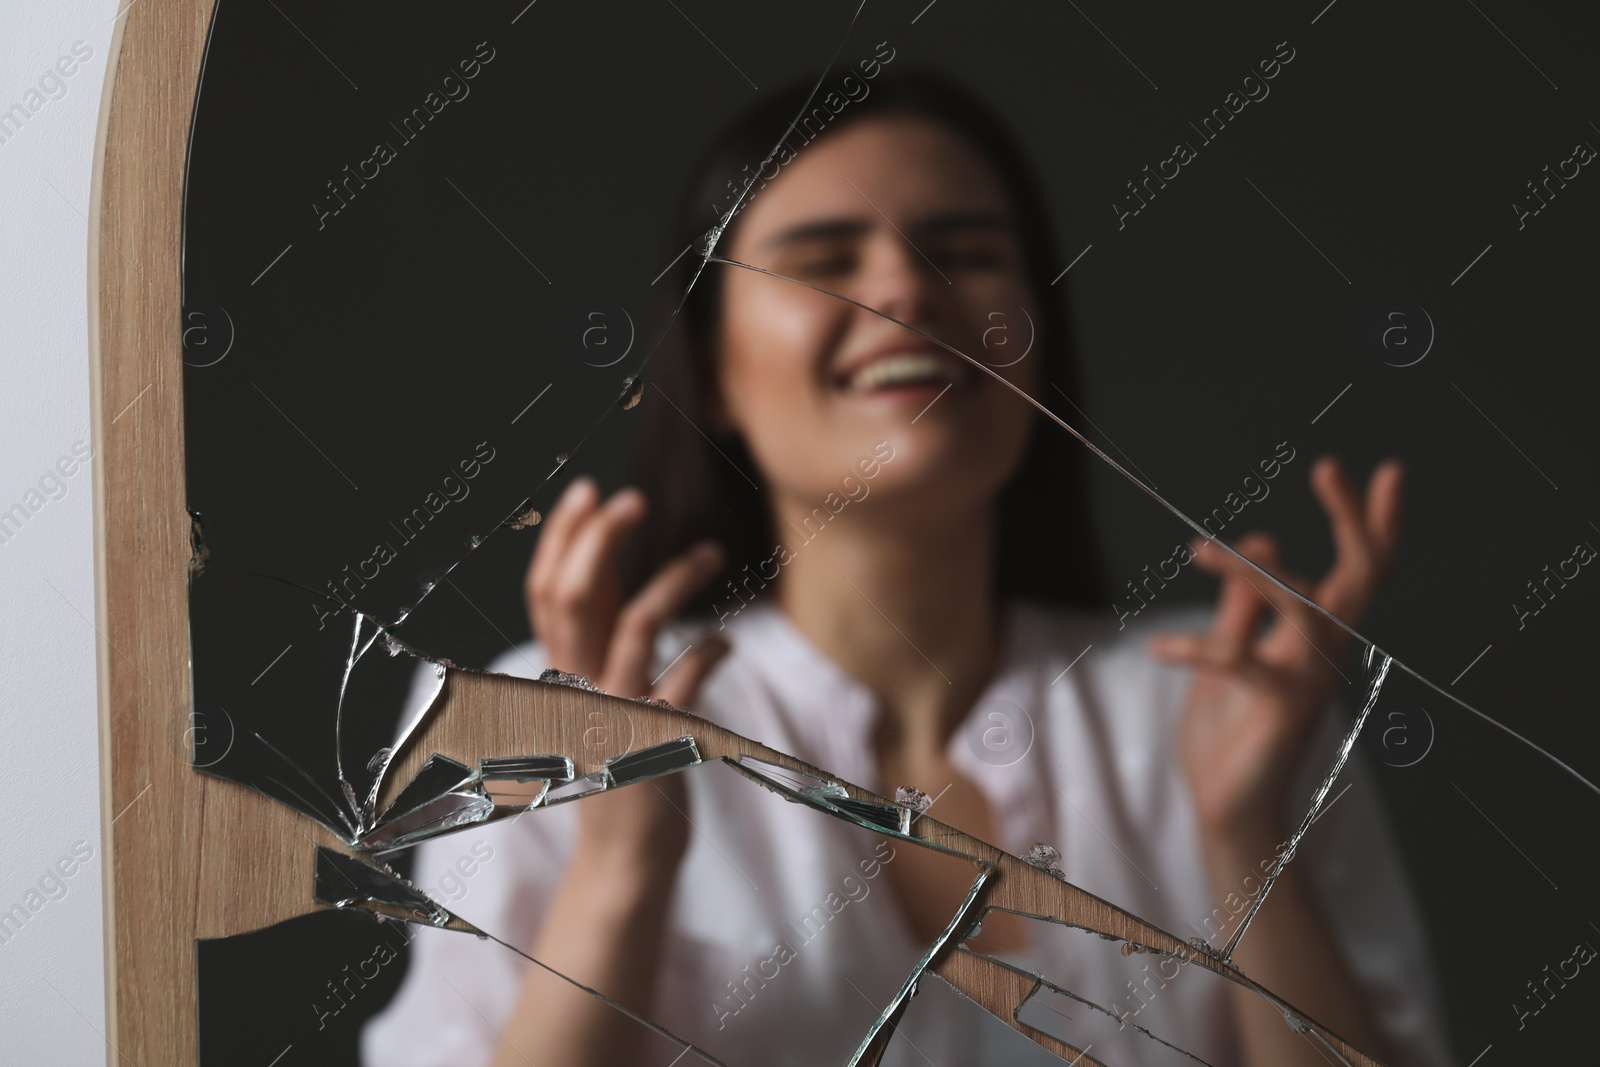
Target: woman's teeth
[[908, 369]]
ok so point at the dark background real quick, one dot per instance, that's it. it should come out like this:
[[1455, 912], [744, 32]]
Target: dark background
[[382, 347]]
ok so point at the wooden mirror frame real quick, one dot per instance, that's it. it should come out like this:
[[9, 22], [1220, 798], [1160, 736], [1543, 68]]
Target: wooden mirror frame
[[152, 843]]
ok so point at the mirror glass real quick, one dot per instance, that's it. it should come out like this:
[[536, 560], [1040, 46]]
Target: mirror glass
[[1117, 438]]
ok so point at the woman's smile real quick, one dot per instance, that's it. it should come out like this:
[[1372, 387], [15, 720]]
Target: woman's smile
[[909, 369]]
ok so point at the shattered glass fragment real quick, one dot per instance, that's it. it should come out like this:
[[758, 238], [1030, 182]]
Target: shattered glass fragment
[[344, 881], [579, 787], [514, 795], [438, 776], [1045, 857], [706, 243], [551, 676], [826, 791], [526, 768], [382, 700], [665, 758], [913, 798], [1377, 667], [199, 552], [833, 796], [526, 519], [459, 807], [796, 781], [632, 395], [886, 816]]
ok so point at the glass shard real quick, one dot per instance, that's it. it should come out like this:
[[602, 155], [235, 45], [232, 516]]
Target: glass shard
[[526, 768], [796, 781], [516, 783], [459, 807], [1377, 666], [439, 775], [665, 758], [911, 797], [884, 816], [344, 881], [579, 787]]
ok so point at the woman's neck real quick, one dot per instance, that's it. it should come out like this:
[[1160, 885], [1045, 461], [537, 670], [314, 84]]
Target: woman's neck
[[904, 604]]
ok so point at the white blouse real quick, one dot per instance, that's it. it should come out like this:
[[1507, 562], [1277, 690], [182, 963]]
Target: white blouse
[[1072, 743]]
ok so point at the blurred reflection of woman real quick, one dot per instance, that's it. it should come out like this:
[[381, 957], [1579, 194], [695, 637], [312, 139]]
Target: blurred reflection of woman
[[935, 560]]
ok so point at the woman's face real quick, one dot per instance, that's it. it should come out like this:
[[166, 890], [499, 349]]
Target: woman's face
[[904, 216]]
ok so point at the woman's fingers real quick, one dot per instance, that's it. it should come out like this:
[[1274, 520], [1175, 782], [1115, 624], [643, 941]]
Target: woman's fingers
[[1211, 651], [1244, 583], [633, 641], [1344, 506], [1364, 533], [1259, 548], [575, 502], [574, 590], [1247, 594], [594, 545], [1385, 509], [1246, 597], [684, 678], [1240, 607], [1346, 586]]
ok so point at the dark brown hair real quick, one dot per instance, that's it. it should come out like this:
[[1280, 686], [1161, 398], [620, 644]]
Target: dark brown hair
[[1048, 553]]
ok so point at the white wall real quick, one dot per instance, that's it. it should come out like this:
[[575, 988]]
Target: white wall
[[52, 973]]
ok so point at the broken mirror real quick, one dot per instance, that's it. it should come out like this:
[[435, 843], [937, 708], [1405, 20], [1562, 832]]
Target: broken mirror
[[787, 365]]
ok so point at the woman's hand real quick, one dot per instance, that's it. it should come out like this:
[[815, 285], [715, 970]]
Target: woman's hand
[[607, 921], [574, 595], [1255, 699]]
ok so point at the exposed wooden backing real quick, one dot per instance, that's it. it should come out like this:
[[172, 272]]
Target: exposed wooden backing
[[192, 856]]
